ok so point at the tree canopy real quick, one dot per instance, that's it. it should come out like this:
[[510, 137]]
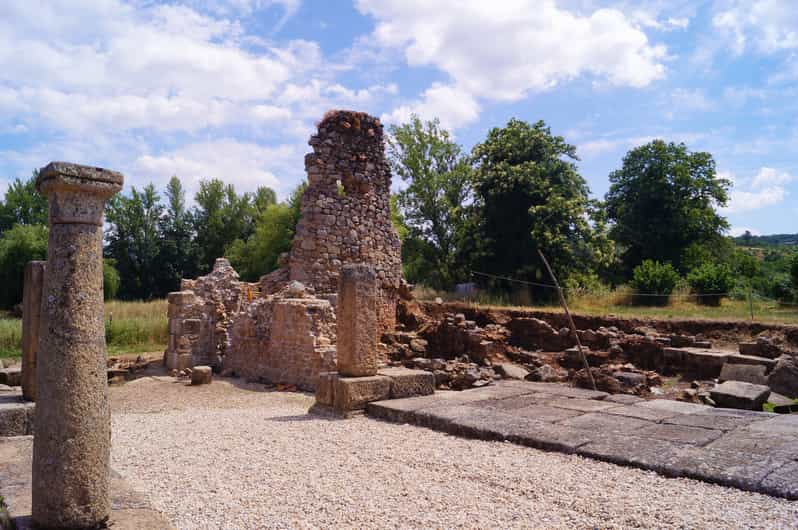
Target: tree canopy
[[662, 201]]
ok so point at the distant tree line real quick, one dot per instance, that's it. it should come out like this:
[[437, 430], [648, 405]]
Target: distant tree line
[[487, 211]]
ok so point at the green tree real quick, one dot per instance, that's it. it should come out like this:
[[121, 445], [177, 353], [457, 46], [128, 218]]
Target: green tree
[[134, 241], [111, 279], [434, 205], [18, 246], [711, 282], [794, 273], [274, 231], [662, 201], [529, 196], [178, 252], [220, 217], [23, 205], [653, 282]]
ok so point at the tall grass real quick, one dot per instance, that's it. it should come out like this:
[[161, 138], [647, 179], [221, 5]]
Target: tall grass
[[130, 327], [622, 302]]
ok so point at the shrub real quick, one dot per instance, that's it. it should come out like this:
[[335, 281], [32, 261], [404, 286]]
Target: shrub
[[653, 278], [18, 246], [711, 283]]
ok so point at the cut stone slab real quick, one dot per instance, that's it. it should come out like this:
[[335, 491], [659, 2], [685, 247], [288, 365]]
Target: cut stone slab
[[783, 482], [643, 413], [16, 415], [679, 407], [720, 422], [582, 405], [545, 413], [11, 376], [629, 450], [129, 509], [784, 376], [511, 370], [682, 434], [353, 393], [748, 373], [600, 422], [201, 375], [557, 389], [757, 444], [729, 468], [408, 383], [777, 424], [780, 400], [749, 348], [740, 395], [624, 399]]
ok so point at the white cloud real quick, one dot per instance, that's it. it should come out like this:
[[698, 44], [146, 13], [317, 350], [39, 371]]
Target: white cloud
[[503, 50], [599, 146], [695, 100], [453, 107], [767, 176], [745, 201], [765, 188], [765, 25]]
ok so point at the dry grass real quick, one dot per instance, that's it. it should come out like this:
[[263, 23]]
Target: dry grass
[[620, 302], [130, 327]]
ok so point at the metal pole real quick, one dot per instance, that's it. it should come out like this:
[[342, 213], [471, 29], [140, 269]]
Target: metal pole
[[570, 319]]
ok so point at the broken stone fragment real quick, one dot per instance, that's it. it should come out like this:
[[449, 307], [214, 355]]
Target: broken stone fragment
[[201, 375], [740, 395]]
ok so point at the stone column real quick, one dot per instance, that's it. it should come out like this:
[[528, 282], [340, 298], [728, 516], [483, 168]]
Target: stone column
[[31, 310], [71, 447], [357, 322]]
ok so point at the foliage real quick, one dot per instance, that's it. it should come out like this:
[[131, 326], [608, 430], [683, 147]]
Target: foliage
[[111, 279], [529, 196], [434, 203], [663, 200], [134, 241], [750, 240], [794, 272], [273, 235], [177, 253], [22, 205], [18, 246], [655, 279], [711, 282], [221, 216]]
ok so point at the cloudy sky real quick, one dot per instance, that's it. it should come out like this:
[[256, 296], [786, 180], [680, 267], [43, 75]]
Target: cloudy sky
[[232, 88]]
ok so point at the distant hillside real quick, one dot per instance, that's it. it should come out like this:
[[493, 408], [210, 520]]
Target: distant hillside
[[774, 240]]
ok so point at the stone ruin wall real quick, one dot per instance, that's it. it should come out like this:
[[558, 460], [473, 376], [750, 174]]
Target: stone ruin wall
[[346, 212], [277, 329]]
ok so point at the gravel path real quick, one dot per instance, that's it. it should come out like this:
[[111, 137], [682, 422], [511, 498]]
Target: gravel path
[[225, 456]]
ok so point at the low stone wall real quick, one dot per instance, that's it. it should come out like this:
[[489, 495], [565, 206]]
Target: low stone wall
[[288, 337]]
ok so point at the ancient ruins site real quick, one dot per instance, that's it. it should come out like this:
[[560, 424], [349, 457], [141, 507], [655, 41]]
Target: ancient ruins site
[[326, 394]]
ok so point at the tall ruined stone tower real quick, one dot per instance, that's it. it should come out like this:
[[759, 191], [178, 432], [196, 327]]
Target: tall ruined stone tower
[[345, 210]]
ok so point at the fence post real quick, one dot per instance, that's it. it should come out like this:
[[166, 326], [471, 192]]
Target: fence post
[[751, 303]]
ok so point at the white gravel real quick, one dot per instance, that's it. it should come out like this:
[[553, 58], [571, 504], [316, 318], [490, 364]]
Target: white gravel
[[222, 456]]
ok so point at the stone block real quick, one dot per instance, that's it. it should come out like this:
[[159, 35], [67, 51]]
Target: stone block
[[16, 416], [511, 370], [357, 324], [600, 422], [740, 395], [325, 388], [408, 383], [749, 348], [181, 298], [191, 326], [682, 434], [353, 393], [747, 373], [784, 377], [11, 376], [201, 375]]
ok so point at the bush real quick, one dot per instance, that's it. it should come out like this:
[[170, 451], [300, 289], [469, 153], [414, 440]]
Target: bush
[[711, 283], [653, 278], [111, 280], [18, 246]]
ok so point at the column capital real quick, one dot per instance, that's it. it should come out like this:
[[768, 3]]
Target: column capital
[[77, 193]]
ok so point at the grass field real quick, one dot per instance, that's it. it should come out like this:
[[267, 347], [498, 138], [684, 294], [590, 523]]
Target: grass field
[[619, 302], [130, 327]]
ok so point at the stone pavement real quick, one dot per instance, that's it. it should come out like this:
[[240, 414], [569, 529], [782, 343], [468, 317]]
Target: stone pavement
[[754, 451], [129, 510]]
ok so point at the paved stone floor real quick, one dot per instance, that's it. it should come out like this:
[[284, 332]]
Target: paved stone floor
[[754, 451], [129, 509]]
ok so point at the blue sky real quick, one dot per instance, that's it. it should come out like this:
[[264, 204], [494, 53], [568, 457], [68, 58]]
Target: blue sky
[[232, 88]]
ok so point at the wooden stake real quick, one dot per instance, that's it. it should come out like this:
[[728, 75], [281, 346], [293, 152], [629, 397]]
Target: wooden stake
[[570, 319]]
